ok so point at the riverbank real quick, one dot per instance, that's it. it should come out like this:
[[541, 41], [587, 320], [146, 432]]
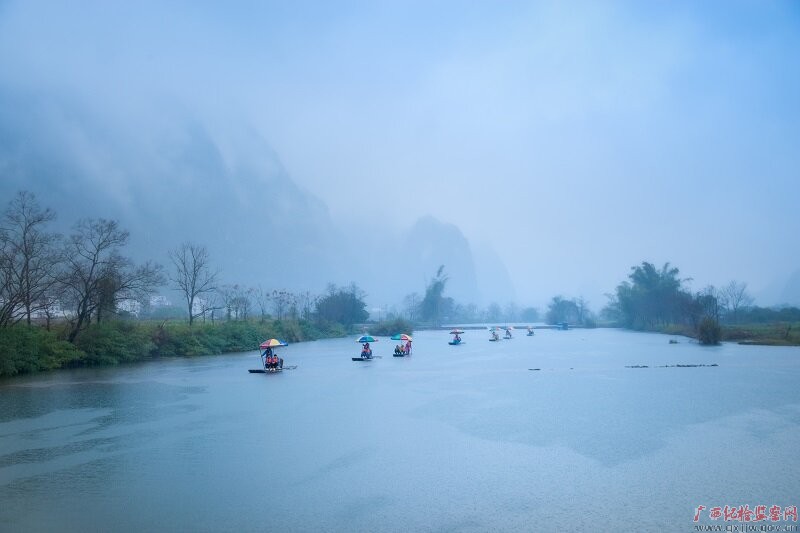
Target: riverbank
[[781, 334], [26, 350], [776, 334]]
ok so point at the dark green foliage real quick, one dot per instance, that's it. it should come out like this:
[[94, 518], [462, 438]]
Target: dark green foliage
[[26, 349], [763, 315], [178, 340], [709, 331], [562, 310], [653, 298], [111, 343], [344, 306], [392, 327], [574, 311], [434, 305], [31, 349], [776, 334]]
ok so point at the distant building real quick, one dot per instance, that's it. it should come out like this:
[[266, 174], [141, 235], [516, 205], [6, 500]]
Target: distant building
[[159, 301], [133, 307]]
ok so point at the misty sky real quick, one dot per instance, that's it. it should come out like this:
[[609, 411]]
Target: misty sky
[[577, 139]]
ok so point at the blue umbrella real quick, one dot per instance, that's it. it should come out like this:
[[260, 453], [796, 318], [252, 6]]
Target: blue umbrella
[[366, 338]]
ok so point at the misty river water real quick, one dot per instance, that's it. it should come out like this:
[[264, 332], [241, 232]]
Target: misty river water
[[453, 438]]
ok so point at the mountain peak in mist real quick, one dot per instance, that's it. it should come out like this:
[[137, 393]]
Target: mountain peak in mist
[[433, 243], [177, 178]]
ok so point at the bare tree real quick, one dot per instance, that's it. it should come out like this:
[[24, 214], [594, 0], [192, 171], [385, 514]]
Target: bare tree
[[97, 276], [225, 293], [306, 302], [29, 259], [192, 276], [210, 303], [262, 298], [734, 298], [411, 306], [583, 309], [281, 300], [237, 301]]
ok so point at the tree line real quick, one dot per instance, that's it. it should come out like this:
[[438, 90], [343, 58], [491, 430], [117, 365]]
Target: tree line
[[81, 277], [657, 299], [85, 277], [79, 286]]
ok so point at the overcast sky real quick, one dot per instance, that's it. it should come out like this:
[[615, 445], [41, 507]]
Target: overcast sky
[[578, 139]]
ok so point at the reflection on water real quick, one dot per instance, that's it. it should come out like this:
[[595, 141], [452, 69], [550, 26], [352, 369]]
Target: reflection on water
[[453, 438]]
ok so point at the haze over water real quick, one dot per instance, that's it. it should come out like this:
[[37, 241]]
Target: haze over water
[[535, 148], [462, 438]]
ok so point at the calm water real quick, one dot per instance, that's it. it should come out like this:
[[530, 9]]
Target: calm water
[[454, 438]]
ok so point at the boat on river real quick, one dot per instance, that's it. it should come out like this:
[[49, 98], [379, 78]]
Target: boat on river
[[270, 362], [402, 350], [275, 371], [456, 337], [366, 351]]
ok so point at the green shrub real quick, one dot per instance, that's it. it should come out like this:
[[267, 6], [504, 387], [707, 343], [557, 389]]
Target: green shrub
[[709, 331], [24, 350], [111, 343], [31, 349], [392, 327]]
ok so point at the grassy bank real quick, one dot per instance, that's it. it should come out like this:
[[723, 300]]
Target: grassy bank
[[777, 334], [25, 350], [781, 334]]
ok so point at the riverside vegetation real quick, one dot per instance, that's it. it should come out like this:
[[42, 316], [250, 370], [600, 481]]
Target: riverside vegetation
[[76, 301]]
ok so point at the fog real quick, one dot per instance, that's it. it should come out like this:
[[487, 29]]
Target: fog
[[535, 149]]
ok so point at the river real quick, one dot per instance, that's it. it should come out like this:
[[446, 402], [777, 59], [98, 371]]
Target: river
[[453, 438]]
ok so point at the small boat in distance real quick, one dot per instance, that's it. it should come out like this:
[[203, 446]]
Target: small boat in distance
[[456, 337]]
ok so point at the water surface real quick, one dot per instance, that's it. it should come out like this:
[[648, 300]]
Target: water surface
[[453, 438]]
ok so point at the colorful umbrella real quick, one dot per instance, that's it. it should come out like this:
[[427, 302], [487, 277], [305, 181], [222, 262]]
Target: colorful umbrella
[[366, 338], [272, 343], [401, 337]]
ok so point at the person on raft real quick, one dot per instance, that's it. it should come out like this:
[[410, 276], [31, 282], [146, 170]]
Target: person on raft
[[398, 350], [366, 351], [267, 358]]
